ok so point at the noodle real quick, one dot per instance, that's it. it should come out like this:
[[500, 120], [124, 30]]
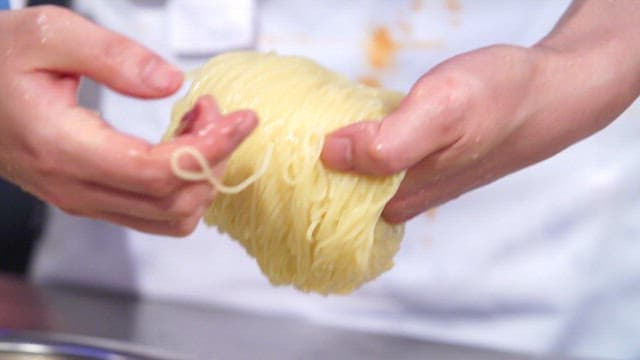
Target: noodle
[[306, 225], [206, 173]]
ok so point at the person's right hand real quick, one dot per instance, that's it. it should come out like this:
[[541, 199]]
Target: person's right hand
[[68, 156], [484, 114]]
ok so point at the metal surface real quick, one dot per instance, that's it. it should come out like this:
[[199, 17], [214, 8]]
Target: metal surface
[[16, 345], [129, 326]]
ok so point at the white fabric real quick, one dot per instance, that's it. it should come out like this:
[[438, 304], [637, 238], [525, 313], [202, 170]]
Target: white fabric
[[207, 27], [17, 4], [545, 260]]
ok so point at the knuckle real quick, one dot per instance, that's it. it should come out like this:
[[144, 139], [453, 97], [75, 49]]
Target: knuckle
[[155, 177], [451, 89], [46, 167], [160, 186], [182, 208], [68, 206], [71, 211], [459, 89], [189, 201], [385, 160], [447, 128], [449, 95], [455, 155], [184, 227]]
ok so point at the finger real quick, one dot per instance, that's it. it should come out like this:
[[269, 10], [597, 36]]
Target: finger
[[183, 204], [192, 121], [172, 228], [217, 135], [70, 44], [85, 199], [214, 136], [101, 155], [428, 120], [438, 166], [403, 207], [418, 195]]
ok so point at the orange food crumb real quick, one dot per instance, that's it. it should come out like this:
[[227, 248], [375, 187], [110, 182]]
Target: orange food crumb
[[405, 27], [454, 5], [416, 5], [369, 81], [381, 48]]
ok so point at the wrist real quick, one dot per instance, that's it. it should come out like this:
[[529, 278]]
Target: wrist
[[578, 92], [581, 84], [590, 65], [606, 51]]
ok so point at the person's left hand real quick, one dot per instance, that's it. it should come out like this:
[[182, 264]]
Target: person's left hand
[[478, 117]]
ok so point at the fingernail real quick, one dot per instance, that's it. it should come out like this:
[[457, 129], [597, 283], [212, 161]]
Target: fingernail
[[342, 147], [236, 126], [245, 124], [159, 75], [188, 121]]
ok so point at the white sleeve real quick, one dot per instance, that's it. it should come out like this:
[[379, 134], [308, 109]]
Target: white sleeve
[[17, 4]]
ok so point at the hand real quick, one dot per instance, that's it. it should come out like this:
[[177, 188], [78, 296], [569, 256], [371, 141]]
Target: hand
[[67, 155], [484, 114]]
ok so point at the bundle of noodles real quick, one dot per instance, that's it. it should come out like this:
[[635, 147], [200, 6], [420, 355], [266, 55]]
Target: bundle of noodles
[[306, 225]]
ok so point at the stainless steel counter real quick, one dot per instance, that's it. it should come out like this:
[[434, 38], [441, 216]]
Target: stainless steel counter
[[168, 330]]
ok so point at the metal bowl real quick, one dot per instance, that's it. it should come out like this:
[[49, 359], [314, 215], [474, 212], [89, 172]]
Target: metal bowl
[[39, 346]]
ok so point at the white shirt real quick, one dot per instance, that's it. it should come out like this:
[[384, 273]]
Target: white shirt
[[544, 260], [17, 4]]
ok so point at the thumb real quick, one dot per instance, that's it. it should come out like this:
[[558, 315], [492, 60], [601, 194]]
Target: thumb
[[70, 44], [426, 121]]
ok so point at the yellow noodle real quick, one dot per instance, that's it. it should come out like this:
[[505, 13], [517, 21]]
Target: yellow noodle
[[306, 225], [206, 173]]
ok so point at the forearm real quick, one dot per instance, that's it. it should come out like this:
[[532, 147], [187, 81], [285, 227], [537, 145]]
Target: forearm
[[596, 47], [598, 23]]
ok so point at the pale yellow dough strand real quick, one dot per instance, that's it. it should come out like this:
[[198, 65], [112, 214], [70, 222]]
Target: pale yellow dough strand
[[206, 173], [306, 225]]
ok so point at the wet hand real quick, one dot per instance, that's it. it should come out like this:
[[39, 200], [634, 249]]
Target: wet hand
[[70, 157]]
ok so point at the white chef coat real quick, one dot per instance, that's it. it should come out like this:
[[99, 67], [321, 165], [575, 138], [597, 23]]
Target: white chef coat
[[544, 260]]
